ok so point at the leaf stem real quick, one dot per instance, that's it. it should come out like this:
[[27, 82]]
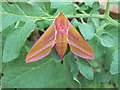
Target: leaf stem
[[103, 26], [107, 17], [79, 9], [107, 11], [82, 20], [112, 21], [86, 16]]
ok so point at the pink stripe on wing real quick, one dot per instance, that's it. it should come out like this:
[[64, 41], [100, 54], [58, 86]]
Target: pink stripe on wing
[[82, 55], [38, 51], [73, 44], [38, 57]]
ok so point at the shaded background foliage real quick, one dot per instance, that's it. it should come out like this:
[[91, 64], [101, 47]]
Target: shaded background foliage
[[24, 22]]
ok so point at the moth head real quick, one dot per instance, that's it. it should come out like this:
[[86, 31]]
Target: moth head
[[61, 22]]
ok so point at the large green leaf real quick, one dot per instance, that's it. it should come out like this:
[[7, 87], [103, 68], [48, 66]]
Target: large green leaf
[[45, 6], [33, 8], [97, 47], [107, 40], [11, 14], [116, 80], [0, 53], [55, 55], [11, 9], [0, 44], [16, 12], [69, 78], [7, 20], [21, 11], [96, 21], [85, 83], [57, 80], [16, 40], [7, 31], [85, 68], [0, 22], [42, 25], [114, 64], [0, 86], [27, 8], [113, 31], [87, 30], [65, 7], [31, 75], [70, 64], [103, 77], [107, 57], [74, 22]]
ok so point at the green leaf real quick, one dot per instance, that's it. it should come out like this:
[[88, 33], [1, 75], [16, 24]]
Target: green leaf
[[88, 3], [107, 40], [87, 30], [0, 87], [8, 20], [96, 5], [57, 80], [13, 9], [82, 7], [44, 7], [65, 7], [42, 25], [32, 75], [7, 31], [115, 80], [107, 85], [108, 58], [21, 10], [11, 14], [0, 53], [113, 31], [55, 55], [70, 64], [16, 40], [1, 23], [85, 83], [114, 64], [96, 21], [103, 77], [85, 68], [52, 11], [33, 8], [97, 47], [94, 64], [69, 78], [74, 22]]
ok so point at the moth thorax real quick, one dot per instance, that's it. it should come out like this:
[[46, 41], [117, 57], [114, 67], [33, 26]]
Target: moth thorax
[[61, 24]]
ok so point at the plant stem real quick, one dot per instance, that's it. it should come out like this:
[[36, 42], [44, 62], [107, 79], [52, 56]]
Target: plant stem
[[102, 26], [112, 21], [82, 20], [108, 18], [86, 16], [107, 11], [79, 9], [68, 16]]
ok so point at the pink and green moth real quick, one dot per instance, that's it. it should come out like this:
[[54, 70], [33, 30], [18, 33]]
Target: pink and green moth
[[59, 34]]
